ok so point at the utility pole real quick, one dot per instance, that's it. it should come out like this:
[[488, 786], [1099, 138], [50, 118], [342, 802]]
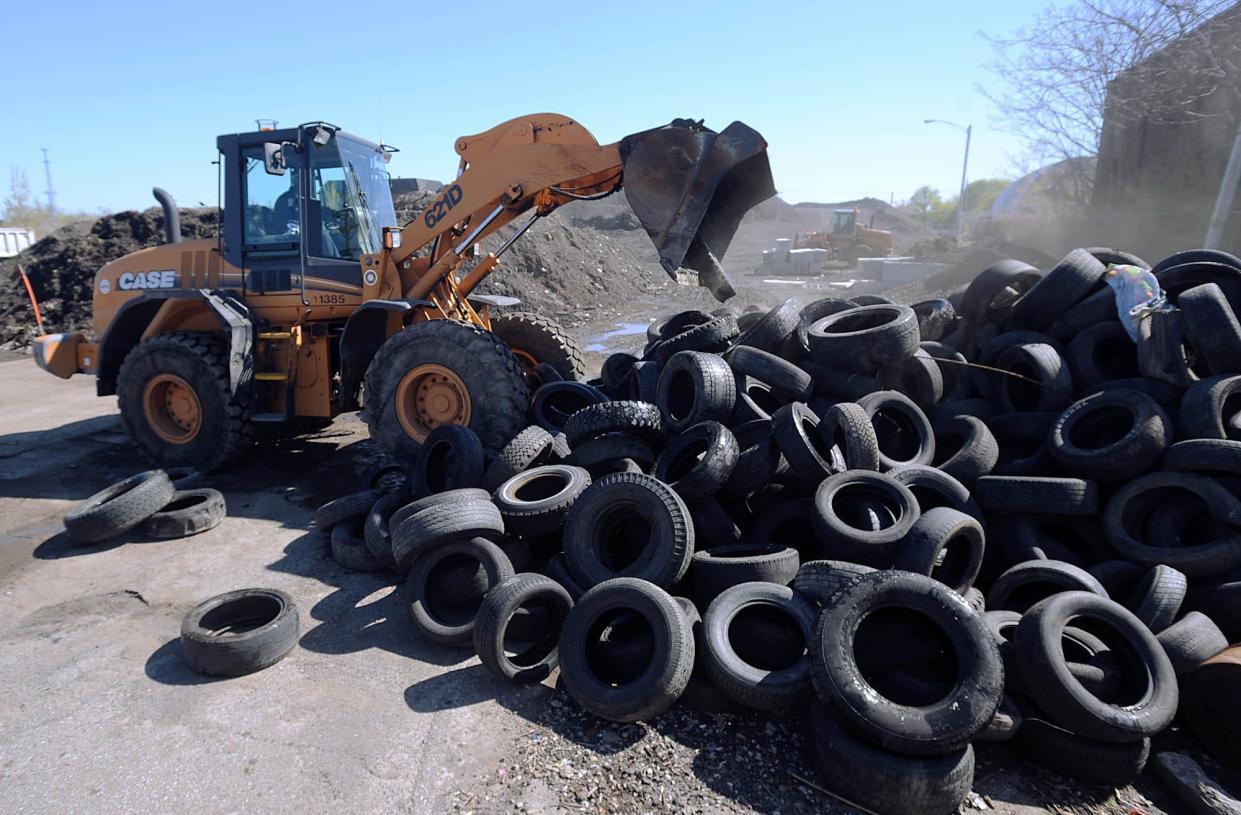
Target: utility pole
[[51, 195], [1224, 199], [969, 130]]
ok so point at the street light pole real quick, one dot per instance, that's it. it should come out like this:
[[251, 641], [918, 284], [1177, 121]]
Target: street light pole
[[969, 130]]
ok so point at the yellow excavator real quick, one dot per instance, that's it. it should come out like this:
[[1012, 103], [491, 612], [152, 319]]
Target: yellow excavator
[[312, 300]]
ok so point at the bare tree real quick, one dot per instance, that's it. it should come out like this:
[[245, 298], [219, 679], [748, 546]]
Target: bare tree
[[1056, 77]]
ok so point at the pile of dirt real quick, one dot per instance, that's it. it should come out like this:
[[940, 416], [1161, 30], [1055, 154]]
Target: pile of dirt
[[62, 267]]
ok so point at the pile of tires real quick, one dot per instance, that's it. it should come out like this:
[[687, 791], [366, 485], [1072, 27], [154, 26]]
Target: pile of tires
[[154, 504], [993, 516]]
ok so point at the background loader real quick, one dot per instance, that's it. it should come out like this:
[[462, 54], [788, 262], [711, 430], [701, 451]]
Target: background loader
[[312, 300], [847, 240]]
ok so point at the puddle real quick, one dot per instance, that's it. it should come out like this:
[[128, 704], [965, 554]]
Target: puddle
[[599, 344]]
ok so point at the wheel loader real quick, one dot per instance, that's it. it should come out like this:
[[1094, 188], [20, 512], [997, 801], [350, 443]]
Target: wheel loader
[[312, 300], [848, 240]]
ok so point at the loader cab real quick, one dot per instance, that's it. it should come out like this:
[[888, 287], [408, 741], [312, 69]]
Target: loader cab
[[303, 225], [844, 221]]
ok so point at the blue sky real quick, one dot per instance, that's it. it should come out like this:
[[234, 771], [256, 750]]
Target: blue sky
[[127, 95]]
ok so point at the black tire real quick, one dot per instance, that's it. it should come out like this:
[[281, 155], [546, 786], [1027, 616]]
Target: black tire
[[200, 361], [773, 329], [1037, 495], [1107, 764], [463, 496], [499, 396], [786, 522], [987, 381], [641, 384], [862, 516], [1101, 353], [1027, 584], [346, 508], [1069, 281], [865, 339], [349, 549], [994, 290], [964, 448], [1143, 712], [921, 380], [819, 580], [1157, 599], [758, 461], [601, 455], [911, 726], [640, 419], [935, 319], [1119, 257], [1022, 438], [450, 620], [846, 428], [614, 371], [444, 523], [695, 387], [796, 431], [239, 632], [747, 672], [1204, 456], [451, 458], [544, 374], [902, 430], [1006, 723], [376, 531], [1023, 537], [946, 545], [628, 525], [557, 570], [1099, 307], [935, 488], [540, 340], [660, 682], [1161, 349], [1221, 601], [953, 371], [713, 526], [536, 659], [698, 462], [1212, 328], [529, 448], [675, 324], [786, 380], [1052, 388], [712, 572], [1207, 407], [1191, 641], [884, 782], [1125, 511], [187, 478], [188, 513], [817, 311], [846, 385], [1111, 436], [555, 402], [712, 337], [537, 501], [120, 507]]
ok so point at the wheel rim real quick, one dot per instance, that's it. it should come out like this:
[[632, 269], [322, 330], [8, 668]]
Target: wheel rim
[[172, 409], [429, 396]]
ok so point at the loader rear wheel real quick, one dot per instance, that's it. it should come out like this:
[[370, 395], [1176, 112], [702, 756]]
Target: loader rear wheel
[[536, 339], [444, 372], [175, 403]]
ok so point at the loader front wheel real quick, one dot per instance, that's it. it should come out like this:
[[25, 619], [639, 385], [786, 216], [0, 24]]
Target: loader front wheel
[[536, 339], [174, 398], [443, 372]]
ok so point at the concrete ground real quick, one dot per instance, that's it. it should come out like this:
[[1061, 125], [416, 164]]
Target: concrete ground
[[100, 715]]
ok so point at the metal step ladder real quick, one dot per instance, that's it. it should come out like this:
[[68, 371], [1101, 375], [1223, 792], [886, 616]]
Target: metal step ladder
[[274, 358]]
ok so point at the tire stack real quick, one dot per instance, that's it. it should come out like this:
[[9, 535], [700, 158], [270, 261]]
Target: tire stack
[[993, 516]]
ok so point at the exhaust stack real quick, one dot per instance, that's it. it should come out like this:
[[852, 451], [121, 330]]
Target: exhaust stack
[[172, 216], [689, 188]]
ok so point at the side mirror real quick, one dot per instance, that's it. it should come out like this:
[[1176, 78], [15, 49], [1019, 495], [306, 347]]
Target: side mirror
[[273, 158]]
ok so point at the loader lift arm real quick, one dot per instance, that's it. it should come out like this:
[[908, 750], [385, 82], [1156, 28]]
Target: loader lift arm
[[544, 161]]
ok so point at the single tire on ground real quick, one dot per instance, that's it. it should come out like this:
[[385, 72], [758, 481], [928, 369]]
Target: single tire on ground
[[239, 632], [120, 507]]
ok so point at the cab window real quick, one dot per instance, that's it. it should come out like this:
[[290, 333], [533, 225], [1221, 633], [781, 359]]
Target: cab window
[[271, 215]]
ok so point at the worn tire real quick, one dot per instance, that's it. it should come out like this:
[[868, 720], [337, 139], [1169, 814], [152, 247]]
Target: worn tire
[[865, 339], [819, 580], [796, 430], [348, 547], [964, 448], [946, 545], [1191, 641], [1069, 281], [426, 610], [188, 513], [1212, 328], [538, 658], [1111, 436], [787, 381], [640, 419], [120, 507], [862, 516], [695, 387], [555, 402], [902, 431], [1028, 583], [376, 531], [239, 632], [444, 523], [712, 572], [451, 458], [1098, 762], [529, 448], [1037, 495], [536, 502]]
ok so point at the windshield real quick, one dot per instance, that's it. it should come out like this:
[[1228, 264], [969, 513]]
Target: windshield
[[842, 222], [350, 179]]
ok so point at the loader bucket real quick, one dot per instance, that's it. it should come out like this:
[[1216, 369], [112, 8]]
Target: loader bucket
[[689, 188]]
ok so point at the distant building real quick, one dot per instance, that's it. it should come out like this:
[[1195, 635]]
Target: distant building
[[1168, 127]]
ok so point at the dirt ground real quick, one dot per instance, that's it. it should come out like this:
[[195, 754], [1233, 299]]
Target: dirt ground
[[101, 715]]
